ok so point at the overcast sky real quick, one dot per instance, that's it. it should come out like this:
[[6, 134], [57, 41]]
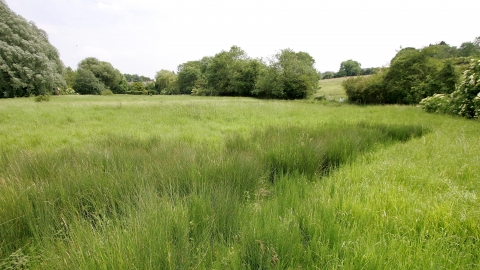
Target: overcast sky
[[145, 36]]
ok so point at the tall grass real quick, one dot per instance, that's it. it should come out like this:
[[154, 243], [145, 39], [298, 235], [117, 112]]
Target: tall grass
[[339, 187]]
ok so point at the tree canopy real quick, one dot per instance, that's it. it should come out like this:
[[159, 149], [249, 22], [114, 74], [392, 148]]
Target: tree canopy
[[110, 77], [29, 64], [349, 68]]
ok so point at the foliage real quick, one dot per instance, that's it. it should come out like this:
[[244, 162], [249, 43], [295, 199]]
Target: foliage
[[67, 91], [166, 82], [110, 77], [409, 71], [289, 75], [188, 75], [413, 75], [29, 64], [87, 84], [137, 87], [106, 92], [438, 103], [70, 75], [349, 68], [328, 75], [136, 78], [464, 101], [41, 98], [365, 89], [466, 97], [231, 73]]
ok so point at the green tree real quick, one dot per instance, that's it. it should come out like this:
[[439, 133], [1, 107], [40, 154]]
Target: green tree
[[29, 64], [349, 68], [469, 49], [224, 71], [166, 82], [328, 75], [191, 76], [87, 84], [289, 75], [137, 87], [106, 73], [410, 70], [70, 75]]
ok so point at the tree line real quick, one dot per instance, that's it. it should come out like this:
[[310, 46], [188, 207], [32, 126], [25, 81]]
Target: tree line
[[286, 75], [30, 65], [414, 74]]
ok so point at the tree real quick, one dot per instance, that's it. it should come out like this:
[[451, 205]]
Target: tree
[[87, 84], [166, 82], [223, 72], [410, 70], [188, 75], [137, 87], [106, 73], [349, 68], [70, 75], [290, 75], [328, 75], [469, 49], [29, 64]]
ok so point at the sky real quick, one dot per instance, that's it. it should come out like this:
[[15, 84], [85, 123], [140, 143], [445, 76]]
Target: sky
[[145, 36]]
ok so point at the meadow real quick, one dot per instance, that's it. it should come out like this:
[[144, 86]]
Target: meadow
[[182, 182], [331, 89]]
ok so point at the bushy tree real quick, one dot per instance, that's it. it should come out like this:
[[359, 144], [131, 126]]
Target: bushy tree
[[166, 82], [106, 73], [70, 75], [409, 71], [188, 75], [464, 101], [365, 89], [29, 64], [289, 75], [138, 87], [223, 73], [349, 68], [87, 84], [328, 75]]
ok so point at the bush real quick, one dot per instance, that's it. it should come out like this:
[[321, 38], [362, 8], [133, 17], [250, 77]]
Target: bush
[[466, 97], [68, 91], [438, 103], [106, 92], [366, 89], [135, 93], [41, 98], [464, 101]]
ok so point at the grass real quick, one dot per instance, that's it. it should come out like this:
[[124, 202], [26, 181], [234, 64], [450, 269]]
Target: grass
[[331, 89], [163, 182]]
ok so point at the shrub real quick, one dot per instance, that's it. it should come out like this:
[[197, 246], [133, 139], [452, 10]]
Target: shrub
[[106, 92], [438, 103], [465, 99], [68, 91], [41, 98], [365, 90]]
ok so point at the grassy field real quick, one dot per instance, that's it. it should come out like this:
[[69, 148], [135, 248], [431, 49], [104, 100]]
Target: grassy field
[[331, 89], [180, 182]]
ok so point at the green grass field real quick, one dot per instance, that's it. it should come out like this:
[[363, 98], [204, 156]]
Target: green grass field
[[181, 182], [331, 89]]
